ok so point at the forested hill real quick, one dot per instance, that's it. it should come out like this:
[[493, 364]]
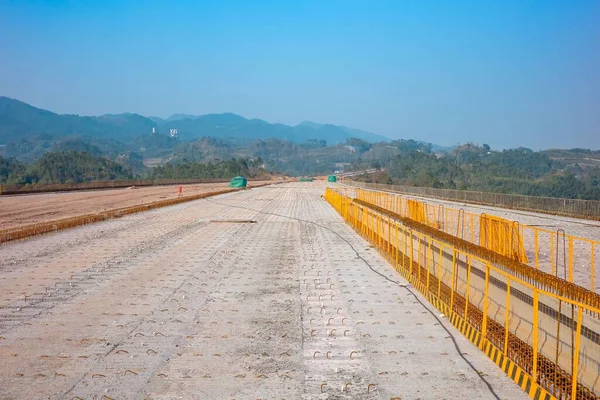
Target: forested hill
[[63, 167], [19, 120], [40, 146], [571, 173], [74, 167]]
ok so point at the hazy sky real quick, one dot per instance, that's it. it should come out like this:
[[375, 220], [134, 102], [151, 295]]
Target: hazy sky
[[505, 72]]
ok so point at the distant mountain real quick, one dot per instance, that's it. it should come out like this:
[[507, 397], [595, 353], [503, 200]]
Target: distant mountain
[[19, 120], [178, 117], [310, 124], [157, 120], [357, 133]]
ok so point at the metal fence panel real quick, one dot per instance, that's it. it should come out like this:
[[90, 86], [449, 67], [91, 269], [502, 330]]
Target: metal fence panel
[[547, 337], [571, 207]]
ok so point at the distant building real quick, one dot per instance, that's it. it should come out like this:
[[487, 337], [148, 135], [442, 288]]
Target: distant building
[[339, 167]]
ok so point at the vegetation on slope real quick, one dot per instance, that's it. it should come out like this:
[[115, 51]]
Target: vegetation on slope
[[470, 167], [40, 146], [557, 173], [73, 167], [218, 169], [63, 167]]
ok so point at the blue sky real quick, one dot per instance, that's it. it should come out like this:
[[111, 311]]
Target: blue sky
[[505, 72]]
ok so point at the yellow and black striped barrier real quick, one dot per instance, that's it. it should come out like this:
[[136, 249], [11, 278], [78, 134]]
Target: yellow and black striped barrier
[[543, 338]]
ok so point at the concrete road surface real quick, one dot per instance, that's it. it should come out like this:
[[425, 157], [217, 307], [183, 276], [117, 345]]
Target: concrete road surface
[[256, 294]]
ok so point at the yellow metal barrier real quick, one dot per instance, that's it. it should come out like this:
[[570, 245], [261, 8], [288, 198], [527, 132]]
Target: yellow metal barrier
[[545, 341], [502, 236], [569, 257]]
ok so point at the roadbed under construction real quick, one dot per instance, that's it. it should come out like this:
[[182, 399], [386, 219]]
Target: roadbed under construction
[[265, 293]]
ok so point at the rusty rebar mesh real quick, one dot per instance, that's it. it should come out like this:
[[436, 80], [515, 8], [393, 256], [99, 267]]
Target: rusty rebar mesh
[[502, 236], [522, 271], [98, 185], [550, 376], [8, 235], [588, 209], [546, 249]]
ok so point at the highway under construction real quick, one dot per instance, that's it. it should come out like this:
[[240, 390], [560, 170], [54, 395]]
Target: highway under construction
[[288, 291]]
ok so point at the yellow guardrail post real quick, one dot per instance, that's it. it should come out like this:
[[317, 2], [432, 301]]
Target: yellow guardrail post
[[452, 288], [365, 219], [511, 244], [429, 261], [403, 247], [411, 251], [363, 215], [536, 322], [419, 257], [507, 316], [389, 235], [372, 225], [376, 229], [380, 238], [395, 247], [377, 218], [485, 304], [380, 231], [439, 294], [571, 259], [576, 357], [468, 286]]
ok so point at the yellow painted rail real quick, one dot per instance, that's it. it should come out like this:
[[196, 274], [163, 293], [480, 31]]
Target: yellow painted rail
[[556, 252], [544, 340]]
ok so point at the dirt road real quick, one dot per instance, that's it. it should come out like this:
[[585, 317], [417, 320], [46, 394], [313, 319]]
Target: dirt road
[[191, 301], [34, 208]]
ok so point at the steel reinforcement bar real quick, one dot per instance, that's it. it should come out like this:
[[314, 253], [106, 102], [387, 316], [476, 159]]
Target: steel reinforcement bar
[[587, 209], [8, 235], [537, 278], [538, 247], [99, 185], [547, 343]]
